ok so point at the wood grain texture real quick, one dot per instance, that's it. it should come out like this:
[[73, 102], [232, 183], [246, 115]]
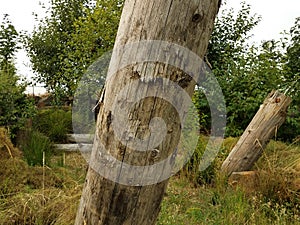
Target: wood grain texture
[[188, 23], [270, 116]]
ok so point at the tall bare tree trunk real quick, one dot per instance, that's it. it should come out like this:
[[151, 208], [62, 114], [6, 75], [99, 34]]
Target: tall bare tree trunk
[[186, 23]]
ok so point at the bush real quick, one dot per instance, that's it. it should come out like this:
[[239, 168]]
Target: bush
[[209, 175], [54, 123], [289, 131], [35, 145], [15, 106]]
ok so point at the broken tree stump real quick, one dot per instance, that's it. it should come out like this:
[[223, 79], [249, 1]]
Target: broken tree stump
[[270, 116]]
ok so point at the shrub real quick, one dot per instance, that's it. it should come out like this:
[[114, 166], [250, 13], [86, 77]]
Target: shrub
[[15, 106], [209, 175], [34, 146], [54, 123]]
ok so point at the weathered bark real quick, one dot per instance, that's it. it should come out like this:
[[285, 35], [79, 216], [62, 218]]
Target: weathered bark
[[263, 127], [186, 23]]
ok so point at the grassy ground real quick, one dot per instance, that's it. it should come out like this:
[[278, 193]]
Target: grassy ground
[[50, 195], [184, 204]]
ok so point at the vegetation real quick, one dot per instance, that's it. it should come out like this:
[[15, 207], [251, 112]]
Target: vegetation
[[29, 197], [247, 73], [37, 148], [74, 35], [15, 107], [185, 204], [292, 83], [77, 32], [48, 42], [54, 123]]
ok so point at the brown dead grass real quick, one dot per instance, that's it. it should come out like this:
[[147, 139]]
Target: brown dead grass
[[7, 150], [28, 197]]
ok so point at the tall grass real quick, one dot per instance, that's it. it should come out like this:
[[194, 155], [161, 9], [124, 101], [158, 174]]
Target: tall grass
[[54, 123], [23, 200], [219, 205], [274, 199], [191, 169], [33, 147]]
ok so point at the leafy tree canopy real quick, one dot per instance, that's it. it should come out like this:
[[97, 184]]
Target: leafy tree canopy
[[247, 73], [15, 107], [75, 33]]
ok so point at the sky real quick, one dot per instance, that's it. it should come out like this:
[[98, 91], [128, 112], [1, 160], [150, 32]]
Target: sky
[[277, 16]]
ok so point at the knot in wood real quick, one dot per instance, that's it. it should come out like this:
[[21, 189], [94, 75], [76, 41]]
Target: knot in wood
[[184, 81], [122, 149], [277, 100], [154, 154], [135, 75], [196, 18]]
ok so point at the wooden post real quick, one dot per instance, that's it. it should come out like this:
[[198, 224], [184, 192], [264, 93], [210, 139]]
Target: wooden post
[[186, 23], [263, 127]]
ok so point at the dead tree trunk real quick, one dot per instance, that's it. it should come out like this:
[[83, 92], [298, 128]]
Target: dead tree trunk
[[263, 127], [186, 23]]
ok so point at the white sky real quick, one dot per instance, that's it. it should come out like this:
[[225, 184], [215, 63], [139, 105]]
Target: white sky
[[277, 16]]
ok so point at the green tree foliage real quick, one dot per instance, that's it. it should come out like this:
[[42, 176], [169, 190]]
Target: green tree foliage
[[94, 35], [228, 40], [291, 83], [251, 78], [247, 73], [15, 107], [49, 41], [8, 42], [231, 60], [75, 33], [293, 62]]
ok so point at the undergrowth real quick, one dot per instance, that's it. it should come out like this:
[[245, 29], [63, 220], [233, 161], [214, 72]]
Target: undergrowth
[[54, 123], [274, 193], [37, 148], [185, 204], [50, 195], [28, 197]]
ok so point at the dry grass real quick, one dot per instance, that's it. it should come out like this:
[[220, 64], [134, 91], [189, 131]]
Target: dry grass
[[27, 197], [6, 147]]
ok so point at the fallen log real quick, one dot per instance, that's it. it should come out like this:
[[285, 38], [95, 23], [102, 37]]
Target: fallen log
[[74, 147], [270, 116]]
